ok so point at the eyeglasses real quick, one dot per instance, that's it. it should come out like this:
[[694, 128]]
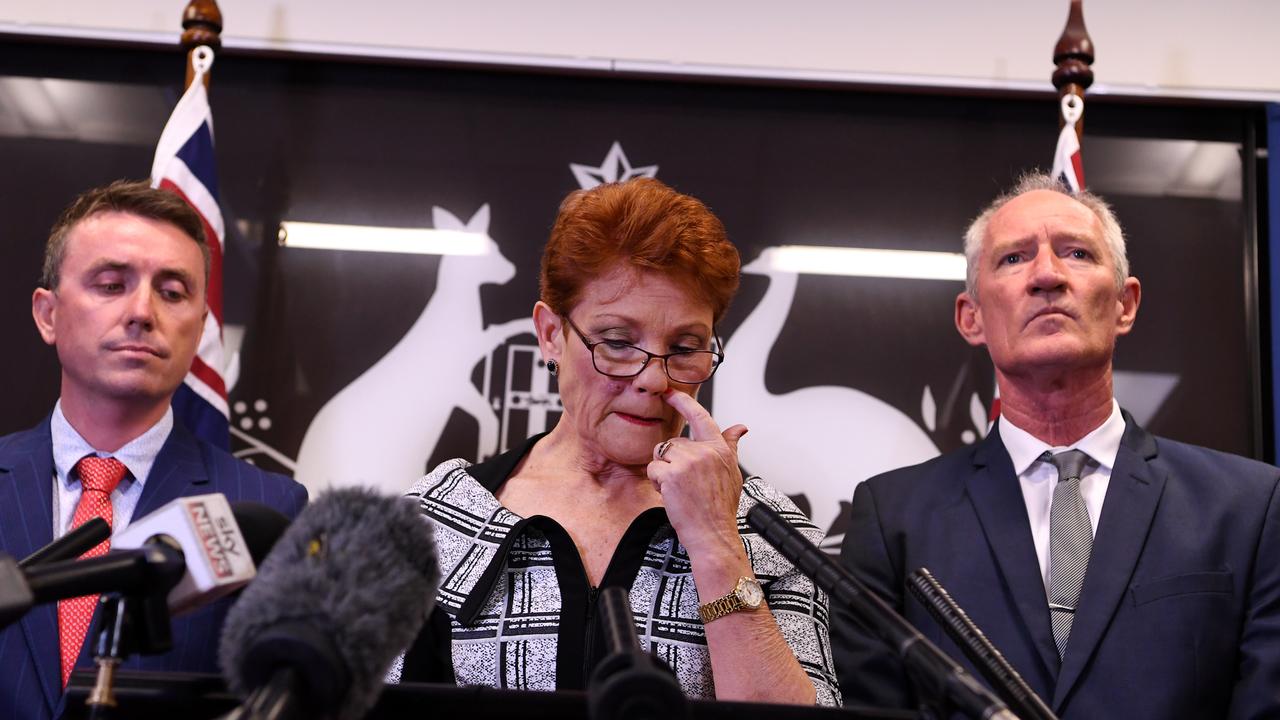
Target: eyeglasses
[[620, 360]]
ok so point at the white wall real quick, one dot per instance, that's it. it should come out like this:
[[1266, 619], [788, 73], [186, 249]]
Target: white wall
[[1224, 48]]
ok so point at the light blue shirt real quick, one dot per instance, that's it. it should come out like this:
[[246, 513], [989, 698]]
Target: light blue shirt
[[138, 455]]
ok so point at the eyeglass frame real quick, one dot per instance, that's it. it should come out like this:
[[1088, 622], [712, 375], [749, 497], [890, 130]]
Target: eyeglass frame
[[649, 356]]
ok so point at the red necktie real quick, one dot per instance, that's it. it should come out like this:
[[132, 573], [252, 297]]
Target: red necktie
[[98, 477]]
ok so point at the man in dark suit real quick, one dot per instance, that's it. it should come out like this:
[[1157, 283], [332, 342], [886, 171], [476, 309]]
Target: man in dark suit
[[122, 299], [1123, 575]]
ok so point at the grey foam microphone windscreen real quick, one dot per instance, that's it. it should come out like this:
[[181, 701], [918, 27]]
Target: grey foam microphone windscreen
[[343, 592]]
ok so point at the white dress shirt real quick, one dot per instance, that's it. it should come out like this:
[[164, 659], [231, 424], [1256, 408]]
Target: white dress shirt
[[1038, 477], [138, 455]]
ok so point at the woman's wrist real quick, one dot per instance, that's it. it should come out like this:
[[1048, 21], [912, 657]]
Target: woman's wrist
[[720, 563]]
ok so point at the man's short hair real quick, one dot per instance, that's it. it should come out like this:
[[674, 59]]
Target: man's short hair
[[1111, 231], [135, 197]]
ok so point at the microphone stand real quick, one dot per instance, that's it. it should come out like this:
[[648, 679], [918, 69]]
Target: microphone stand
[[127, 624]]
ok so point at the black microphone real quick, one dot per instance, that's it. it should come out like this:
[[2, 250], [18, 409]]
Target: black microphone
[[1006, 681], [261, 527], [942, 683], [71, 545], [344, 591], [155, 566], [191, 548], [629, 683], [216, 546]]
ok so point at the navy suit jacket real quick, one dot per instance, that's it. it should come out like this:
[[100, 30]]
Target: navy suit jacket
[[30, 681], [1179, 616]]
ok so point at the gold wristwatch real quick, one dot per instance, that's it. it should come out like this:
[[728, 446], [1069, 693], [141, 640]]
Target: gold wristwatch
[[746, 595]]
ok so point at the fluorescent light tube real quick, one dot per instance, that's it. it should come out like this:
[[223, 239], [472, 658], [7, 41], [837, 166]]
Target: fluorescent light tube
[[861, 262], [368, 238]]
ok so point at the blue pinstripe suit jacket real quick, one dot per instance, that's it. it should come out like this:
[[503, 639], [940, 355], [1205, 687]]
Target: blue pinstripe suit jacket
[[30, 685]]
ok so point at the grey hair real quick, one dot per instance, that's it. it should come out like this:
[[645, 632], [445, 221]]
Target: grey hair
[[1111, 232]]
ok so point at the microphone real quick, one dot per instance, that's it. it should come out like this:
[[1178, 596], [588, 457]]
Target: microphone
[[629, 684], [261, 527], [72, 545], [941, 682], [203, 535], [137, 570], [192, 548], [343, 592], [205, 530], [980, 651]]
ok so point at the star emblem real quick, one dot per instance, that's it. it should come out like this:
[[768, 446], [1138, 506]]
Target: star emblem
[[615, 168]]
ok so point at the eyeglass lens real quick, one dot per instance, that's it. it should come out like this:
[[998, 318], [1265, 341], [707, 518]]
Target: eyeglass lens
[[624, 360]]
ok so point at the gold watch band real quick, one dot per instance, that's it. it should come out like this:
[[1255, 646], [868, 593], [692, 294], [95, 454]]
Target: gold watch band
[[719, 608], [746, 595]]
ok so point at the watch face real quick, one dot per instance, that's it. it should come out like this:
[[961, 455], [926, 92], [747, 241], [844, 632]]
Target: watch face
[[749, 592]]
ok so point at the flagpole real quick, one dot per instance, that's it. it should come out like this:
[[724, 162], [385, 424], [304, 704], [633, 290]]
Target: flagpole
[[1073, 61], [184, 164], [1072, 75], [201, 25]]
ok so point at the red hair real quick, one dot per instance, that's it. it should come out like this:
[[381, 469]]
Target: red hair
[[650, 226]]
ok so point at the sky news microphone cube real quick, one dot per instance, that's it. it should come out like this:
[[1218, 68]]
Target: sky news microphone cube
[[204, 527]]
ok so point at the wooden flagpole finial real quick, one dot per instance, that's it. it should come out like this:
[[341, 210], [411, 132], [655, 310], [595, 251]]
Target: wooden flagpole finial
[[1073, 60], [201, 25]]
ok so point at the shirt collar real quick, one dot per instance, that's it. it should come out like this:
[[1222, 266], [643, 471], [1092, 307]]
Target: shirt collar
[[1102, 444], [138, 455]]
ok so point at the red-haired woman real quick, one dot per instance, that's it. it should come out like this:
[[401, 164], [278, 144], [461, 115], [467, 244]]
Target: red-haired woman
[[635, 277]]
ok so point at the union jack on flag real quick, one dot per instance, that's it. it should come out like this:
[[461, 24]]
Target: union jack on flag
[[184, 165]]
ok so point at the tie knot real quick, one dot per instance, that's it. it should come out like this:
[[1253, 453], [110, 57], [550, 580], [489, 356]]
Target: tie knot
[[1069, 463], [100, 474]]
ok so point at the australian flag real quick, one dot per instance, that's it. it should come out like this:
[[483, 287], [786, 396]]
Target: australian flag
[[1068, 166], [184, 165]]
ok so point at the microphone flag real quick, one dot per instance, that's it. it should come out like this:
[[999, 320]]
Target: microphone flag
[[218, 559], [184, 165]]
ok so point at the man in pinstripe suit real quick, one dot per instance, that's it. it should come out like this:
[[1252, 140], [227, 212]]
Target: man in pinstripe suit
[[122, 299]]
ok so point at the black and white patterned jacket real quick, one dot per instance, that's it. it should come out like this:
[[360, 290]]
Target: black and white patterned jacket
[[519, 606]]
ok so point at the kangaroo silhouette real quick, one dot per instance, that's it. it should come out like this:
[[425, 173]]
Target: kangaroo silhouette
[[819, 441], [380, 430]]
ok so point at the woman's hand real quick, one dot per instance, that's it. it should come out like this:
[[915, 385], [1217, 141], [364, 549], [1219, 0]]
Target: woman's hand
[[701, 486], [699, 480]]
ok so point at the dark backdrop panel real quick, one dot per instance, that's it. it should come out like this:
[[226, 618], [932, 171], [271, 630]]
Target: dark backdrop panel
[[382, 145]]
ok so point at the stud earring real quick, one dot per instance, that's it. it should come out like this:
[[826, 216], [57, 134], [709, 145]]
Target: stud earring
[[553, 367]]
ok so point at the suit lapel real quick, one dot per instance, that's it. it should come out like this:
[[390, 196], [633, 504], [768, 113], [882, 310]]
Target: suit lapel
[[1127, 512], [26, 525], [179, 470], [997, 497]]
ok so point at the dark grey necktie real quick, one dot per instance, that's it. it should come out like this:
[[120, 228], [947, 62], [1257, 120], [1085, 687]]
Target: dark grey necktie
[[1070, 540]]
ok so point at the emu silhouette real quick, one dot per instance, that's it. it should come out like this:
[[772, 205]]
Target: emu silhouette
[[819, 441]]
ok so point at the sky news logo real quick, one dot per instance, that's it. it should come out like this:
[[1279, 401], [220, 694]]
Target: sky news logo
[[217, 537]]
